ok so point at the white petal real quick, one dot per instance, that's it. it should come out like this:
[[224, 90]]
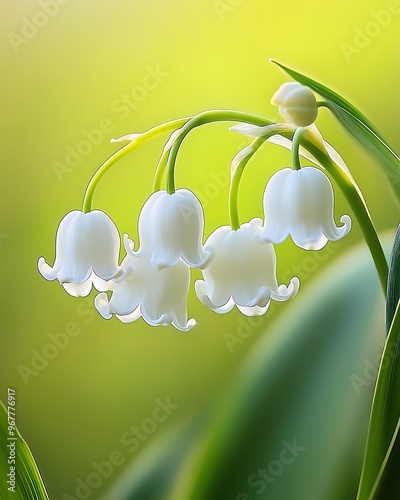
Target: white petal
[[335, 233], [102, 304], [254, 310], [78, 289], [129, 245], [167, 319], [99, 242], [285, 293], [203, 295], [46, 271], [310, 241], [83, 289], [63, 236], [146, 229], [276, 226], [130, 318], [184, 328]]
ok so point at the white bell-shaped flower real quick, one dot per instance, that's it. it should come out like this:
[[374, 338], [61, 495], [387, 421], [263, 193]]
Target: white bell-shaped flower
[[171, 228], [300, 203], [159, 296], [87, 251], [297, 103], [242, 272]]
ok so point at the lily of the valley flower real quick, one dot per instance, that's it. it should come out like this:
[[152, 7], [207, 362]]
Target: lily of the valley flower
[[171, 228], [300, 203], [297, 103], [87, 250], [242, 272], [159, 296]]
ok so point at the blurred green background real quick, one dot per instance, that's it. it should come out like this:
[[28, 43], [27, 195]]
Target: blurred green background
[[70, 68]]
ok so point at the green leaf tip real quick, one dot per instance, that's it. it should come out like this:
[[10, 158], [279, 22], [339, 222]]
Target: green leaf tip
[[28, 481]]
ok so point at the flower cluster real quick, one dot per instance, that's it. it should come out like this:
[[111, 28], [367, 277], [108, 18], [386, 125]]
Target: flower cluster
[[238, 263]]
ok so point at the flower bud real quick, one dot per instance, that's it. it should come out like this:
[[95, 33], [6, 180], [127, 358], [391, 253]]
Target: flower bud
[[297, 104], [300, 203]]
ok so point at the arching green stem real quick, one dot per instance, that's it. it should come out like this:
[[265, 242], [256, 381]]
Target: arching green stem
[[162, 163], [131, 146], [202, 119], [239, 164], [235, 181], [295, 148]]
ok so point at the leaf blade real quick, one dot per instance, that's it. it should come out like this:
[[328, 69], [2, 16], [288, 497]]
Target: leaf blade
[[272, 400], [386, 402], [393, 291], [29, 483]]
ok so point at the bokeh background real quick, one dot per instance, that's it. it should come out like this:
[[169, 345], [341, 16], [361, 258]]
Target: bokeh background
[[80, 68]]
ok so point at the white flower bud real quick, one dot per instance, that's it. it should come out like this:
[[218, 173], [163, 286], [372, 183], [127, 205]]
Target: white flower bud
[[158, 296], [300, 203], [242, 273], [171, 228], [297, 103], [87, 250]]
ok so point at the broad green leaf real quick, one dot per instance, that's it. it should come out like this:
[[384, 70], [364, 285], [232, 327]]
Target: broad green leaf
[[357, 125], [393, 292], [302, 383], [386, 404], [28, 482], [152, 475]]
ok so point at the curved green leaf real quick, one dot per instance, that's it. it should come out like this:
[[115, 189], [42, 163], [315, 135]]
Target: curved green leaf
[[386, 404], [357, 125], [28, 482], [393, 291], [303, 383], [153, 473], [388, 478]]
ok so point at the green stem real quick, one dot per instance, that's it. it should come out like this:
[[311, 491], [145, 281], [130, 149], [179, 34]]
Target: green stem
[[237, 175], [134, 144], [162, 163], [235, 182], [202, 119], [295, 148]]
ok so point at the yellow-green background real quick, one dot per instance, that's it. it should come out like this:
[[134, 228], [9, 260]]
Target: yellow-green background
[[65, 80]]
